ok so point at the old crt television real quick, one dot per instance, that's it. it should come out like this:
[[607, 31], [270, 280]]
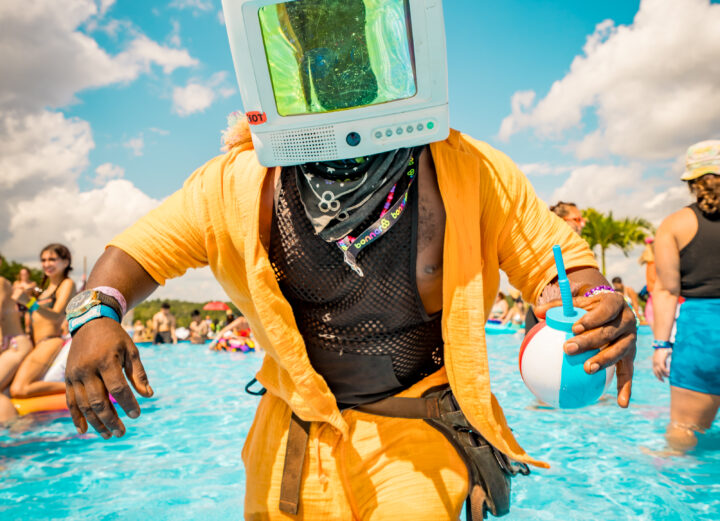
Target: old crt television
[[324, 80]]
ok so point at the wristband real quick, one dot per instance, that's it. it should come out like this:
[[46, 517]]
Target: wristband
[[32, 304], [662, 344], [597, 290], [94, 312], [114, 293]]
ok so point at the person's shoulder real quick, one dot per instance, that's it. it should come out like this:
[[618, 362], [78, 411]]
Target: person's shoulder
[[68, 284], [679, 220]]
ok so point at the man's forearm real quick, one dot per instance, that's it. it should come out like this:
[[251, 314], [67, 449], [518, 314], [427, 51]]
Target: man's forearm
[[117, 269], [664, 304], [581, 280]]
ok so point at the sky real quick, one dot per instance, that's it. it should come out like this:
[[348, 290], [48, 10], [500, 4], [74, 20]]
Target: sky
[[107, 106]]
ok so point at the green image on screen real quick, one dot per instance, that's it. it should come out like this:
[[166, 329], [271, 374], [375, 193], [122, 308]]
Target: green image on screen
[[327, 55]]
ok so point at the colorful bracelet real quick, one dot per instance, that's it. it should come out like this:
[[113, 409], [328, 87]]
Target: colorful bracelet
[[597, 290], [32, 305], [662, 344], [114, 293]]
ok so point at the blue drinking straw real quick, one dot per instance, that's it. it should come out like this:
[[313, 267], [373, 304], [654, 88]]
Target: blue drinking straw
[[564, 283]]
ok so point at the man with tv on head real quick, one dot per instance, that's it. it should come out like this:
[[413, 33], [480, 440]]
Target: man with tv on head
[[362, 239]]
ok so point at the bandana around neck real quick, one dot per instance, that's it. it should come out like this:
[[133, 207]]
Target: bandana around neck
[[338, 196]]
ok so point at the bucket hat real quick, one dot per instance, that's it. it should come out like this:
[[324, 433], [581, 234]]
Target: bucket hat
[[702, 158]]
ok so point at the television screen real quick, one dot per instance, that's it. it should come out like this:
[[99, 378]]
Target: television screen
[[329, 55]]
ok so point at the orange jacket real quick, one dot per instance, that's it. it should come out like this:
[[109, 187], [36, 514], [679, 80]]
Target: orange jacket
[[494, 221]]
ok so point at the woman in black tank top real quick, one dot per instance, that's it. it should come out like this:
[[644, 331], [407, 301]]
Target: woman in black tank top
[[687, 249]]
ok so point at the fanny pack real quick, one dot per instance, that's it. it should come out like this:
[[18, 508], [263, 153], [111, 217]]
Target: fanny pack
[[489, 470]]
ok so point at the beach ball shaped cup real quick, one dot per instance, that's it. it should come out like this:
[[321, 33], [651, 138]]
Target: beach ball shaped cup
[[554, 377]]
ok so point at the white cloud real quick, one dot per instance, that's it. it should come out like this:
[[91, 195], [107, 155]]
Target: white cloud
[[86, 225], [174, 37], [543, 169], [106, 172], [196, 6], [197, 96], [136, 145], [105, 5], [221, 17], [625, 190], [36, 75], [39, 149], [653, 85]]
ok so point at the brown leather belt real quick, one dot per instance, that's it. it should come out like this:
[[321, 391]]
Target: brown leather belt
[[489, 471], [299, 433]]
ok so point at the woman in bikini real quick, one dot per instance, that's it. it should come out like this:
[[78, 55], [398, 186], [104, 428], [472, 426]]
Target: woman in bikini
[[48, 315]]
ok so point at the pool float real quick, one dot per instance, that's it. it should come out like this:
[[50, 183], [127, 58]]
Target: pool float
[[234, 344], [50, 402], [46, 403], [495, 327]]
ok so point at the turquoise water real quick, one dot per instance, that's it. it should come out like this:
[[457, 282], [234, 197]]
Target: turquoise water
[[181, 459]]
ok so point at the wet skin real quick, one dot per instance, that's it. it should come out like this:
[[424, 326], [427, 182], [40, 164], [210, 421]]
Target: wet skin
[[103, 356]]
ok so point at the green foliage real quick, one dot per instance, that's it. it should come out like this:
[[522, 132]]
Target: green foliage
[[604, 231], [181, 309], [10, 269]]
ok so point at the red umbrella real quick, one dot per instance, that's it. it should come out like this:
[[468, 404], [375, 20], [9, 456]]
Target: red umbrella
[[216, 305]]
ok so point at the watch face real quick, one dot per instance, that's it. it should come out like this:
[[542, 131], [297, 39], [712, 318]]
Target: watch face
[[81, 302]]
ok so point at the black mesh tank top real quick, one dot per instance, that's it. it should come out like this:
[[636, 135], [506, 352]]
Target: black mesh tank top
[[369, 337], [699, 265]]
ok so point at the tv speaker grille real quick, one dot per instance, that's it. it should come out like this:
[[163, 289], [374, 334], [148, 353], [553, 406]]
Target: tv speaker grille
[[309, 144]]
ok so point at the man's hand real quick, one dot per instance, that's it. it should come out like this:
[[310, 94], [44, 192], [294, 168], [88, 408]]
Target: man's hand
[[610, 326], [101, 350], [661, 366]]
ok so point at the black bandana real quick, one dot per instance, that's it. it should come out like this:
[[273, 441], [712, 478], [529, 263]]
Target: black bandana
[[339, 195]]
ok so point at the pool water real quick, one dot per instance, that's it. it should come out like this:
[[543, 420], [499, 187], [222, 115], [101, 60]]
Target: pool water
[[181, 459]]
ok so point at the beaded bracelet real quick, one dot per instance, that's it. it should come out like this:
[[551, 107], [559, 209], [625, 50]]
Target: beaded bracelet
[[597, 290], [662, 344]]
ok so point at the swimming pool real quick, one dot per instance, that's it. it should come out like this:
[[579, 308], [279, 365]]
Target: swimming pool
[[181, 459]]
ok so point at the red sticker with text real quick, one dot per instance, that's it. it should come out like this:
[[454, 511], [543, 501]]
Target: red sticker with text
[[256, 118]]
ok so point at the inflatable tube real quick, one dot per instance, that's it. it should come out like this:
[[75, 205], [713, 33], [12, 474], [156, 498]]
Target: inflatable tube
[[50, 402], [497, 328], [47, 403]]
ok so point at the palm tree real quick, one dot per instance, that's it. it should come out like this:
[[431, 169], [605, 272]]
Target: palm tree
[[604, 231]]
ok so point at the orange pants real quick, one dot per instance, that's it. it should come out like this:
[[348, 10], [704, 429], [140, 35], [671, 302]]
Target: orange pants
[[388, 469]]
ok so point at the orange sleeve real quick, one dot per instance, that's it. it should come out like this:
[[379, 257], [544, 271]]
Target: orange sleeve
[[172, 238], [530, 232]]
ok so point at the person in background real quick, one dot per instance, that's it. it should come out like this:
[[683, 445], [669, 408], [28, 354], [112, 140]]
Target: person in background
[[15, 345], [516, 314], [210, 324], [648, 259], [33, 377], [687, 249], [500, 307], [22, 283], [571, 214], [163, 326], [626, 291], [139, 333], [229, 319], [198, 328]]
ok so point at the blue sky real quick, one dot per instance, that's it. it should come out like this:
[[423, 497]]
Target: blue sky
[[106, 106]]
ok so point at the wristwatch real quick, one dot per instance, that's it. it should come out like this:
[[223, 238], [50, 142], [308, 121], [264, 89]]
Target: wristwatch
[[91, 314], [85, 300]]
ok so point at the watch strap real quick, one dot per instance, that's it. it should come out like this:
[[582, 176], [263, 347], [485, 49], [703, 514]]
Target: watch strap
[[98, 311], [114, 293]]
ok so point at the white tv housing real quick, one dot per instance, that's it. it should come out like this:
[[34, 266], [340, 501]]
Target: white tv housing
[[347, 132]]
